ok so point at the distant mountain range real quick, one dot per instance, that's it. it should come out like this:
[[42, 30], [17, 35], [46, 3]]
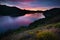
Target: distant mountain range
[[14, 11]]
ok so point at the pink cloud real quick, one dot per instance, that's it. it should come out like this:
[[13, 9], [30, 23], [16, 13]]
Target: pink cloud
[[27, 6]]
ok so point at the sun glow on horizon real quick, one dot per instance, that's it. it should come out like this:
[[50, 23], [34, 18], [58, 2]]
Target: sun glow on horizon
[[35, 9]]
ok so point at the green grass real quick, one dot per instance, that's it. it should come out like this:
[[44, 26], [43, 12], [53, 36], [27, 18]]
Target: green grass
[[44, 32], [46, 35], [55, 25]]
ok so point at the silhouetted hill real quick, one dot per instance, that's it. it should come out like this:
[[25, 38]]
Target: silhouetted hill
[[52, 16], [14, 11], [46, 29], [52, 12], [9, 11]]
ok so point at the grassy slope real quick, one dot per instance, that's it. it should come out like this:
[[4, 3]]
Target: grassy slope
[[52, 30], [44, 29]]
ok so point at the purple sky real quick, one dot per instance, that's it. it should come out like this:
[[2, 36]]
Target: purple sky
[[7, 22], [32, 4]]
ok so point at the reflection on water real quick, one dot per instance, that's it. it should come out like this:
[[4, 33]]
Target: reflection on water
[[7, 22]]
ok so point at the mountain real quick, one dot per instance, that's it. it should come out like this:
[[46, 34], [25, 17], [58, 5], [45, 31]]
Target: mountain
[[52, 12], [52, 16], [43, 29], [11, 11], [14, 11], [47, 32]]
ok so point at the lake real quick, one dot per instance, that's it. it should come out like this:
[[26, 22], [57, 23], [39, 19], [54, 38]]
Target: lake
[[7, 22]]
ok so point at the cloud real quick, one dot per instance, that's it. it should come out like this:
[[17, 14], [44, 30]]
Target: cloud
[[32, 4], [19, 0], [22, 0]]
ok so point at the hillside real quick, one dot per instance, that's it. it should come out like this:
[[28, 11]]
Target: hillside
[[14, 11], [42, 29], [52, 16], [52, 31]]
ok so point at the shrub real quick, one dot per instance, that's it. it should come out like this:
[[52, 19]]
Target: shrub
[[31, 32], [57, 26], [46, 35]]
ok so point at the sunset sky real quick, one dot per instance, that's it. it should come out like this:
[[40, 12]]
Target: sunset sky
[[32, 4], [7, 22]]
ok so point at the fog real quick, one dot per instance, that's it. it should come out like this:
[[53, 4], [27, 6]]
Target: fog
[[7, 22]]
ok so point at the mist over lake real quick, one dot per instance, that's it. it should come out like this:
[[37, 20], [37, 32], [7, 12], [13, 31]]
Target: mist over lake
[[7, 22], [29, 19]]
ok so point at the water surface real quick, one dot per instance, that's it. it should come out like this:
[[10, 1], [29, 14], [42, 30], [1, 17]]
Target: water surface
[[7, 22]]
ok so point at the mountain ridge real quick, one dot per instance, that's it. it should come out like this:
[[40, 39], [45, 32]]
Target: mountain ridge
[[14, 11], [51, 16]]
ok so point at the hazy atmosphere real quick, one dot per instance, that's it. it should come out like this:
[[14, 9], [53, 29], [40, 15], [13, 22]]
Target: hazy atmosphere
[[29, 19], [32, 4]]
